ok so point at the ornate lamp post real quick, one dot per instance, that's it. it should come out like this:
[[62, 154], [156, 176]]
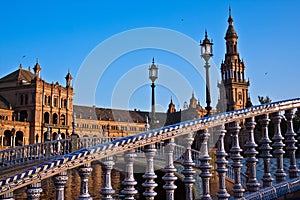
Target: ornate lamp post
[[153, 75], [206, 54]]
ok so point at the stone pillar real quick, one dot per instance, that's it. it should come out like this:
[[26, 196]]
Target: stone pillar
[[238, 190], [149, 175], [34, 191], [84, 173], [188, 170], [129, 191], [205, 165], [265, 150], [169, 177], [252, 183], [60, 182], [291, 141], [7, 196], [107, 190], [222, 165], [278, 148]]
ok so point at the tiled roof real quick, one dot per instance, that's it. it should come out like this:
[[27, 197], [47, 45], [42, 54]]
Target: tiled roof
[[85, 112], [4, 104], [19, 75], [118, 115]]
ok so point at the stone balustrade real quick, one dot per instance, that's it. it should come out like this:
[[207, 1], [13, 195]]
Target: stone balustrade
[[235, 161]]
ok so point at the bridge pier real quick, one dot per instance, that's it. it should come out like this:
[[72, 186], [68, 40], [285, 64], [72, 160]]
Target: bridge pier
[[60, 182], [7, 196], [84, 173], [34, 191]]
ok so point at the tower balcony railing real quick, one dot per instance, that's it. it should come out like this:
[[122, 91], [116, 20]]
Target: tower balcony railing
[[271, 153]]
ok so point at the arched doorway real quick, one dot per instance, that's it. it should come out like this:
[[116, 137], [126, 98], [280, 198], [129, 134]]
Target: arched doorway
[[7, 138], [19, 138], [63, 135]]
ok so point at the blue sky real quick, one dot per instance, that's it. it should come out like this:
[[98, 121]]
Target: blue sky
[[62, 35]]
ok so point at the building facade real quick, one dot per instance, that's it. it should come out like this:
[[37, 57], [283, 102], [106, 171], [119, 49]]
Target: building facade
[[36, 103]]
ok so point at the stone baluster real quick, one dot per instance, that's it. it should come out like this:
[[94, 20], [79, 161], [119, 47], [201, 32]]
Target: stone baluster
[[60, 182], [107, 190], [84, 173], [129, 182], [290, 141], [205, 165], [149, 175], [252, 183], [265, 150], [222, 165], [298, 132], [169, 177], [7, 196], [34, 191], [278, 148], [188, 170], [238, 190]]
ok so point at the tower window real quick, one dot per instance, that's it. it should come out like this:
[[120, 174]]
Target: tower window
[[240, 96]]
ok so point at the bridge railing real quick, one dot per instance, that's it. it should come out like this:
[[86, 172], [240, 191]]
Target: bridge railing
[[224, 126], [32, 153]]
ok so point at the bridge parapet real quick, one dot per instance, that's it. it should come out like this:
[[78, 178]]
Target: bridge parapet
[[230, 119]]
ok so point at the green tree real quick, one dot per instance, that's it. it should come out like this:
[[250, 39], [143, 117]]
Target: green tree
[[264, 100]]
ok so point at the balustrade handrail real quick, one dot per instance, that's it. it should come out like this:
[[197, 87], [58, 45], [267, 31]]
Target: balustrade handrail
[[84, 156], [32, 145]]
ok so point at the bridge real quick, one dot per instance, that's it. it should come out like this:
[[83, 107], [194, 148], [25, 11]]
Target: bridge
[[54, 158]]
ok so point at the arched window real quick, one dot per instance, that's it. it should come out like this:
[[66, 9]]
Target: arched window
[[46, 118], [54, 136], [7, 138], [49, 101], [63, 120], [23, 116], [55, 120], [19, 138]]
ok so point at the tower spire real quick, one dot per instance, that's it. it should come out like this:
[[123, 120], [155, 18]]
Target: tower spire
[[230, 20]]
